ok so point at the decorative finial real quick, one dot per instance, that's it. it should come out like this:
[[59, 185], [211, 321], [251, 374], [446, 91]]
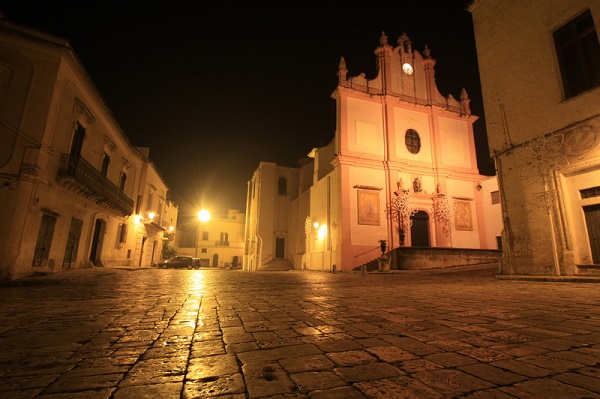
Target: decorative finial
[[342, 71], [463, 94], [427, 52], [383, 39], [405, 42]]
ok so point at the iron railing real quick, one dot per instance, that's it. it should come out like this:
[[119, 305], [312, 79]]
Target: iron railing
[[80, 176]]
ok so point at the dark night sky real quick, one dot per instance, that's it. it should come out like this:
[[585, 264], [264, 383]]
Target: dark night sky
[[214, 88]]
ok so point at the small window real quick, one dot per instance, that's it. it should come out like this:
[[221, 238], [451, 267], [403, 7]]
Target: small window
[[204, 250], [495, 197], [578, 53], [123, 233], [590, 192], [282, 186], [412, 141]]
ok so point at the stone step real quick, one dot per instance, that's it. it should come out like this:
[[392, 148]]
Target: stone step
[[278, 265], [588, 270]]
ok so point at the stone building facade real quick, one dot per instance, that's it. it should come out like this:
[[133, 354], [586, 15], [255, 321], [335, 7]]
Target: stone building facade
[[402, 168], [217, 242], [540, 73], [74, 191]]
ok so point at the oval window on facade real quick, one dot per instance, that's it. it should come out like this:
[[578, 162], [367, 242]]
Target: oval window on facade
[[413, 141]]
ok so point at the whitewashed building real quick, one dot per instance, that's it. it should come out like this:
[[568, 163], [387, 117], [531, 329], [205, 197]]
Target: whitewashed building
[[74, 191], [217, 242]]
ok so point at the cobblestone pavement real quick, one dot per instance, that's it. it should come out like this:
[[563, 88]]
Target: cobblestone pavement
[[162, 334]]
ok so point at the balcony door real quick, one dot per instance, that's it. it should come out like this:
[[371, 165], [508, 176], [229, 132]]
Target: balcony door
[[77, 142]]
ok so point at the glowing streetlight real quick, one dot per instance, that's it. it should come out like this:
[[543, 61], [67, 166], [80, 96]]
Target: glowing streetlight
[[203, 217]]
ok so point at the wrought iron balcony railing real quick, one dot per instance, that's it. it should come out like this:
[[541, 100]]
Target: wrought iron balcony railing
[[81, 177]]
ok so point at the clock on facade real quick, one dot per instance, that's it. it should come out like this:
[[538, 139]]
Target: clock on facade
[[407, 68]]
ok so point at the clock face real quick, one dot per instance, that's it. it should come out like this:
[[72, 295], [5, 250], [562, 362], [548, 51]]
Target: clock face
[[407, 68]]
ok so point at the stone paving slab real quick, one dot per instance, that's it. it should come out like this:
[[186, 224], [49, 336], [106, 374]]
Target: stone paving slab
[[110, 333]]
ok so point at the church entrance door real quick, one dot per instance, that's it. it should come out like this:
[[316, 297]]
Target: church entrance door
[[419, 231]]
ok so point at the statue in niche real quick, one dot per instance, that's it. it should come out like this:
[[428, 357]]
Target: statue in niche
[[417, 187]]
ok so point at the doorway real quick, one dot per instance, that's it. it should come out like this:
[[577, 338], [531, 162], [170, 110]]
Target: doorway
[[72, 243], [280, 247], [98, 238], [419, 231], [142, 250], [592, 221]]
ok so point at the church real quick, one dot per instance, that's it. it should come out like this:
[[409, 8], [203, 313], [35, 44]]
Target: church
[[400, 172]]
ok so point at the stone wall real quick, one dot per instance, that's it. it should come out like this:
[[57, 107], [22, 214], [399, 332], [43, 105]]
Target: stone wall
[[407, 258]]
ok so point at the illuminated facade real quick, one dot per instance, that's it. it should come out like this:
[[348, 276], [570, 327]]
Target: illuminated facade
[[402, 168], [542, 108], [217, 242], [74, 192]]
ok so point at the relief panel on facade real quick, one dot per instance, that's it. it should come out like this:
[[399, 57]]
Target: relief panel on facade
[[454, 139], [365, 127]]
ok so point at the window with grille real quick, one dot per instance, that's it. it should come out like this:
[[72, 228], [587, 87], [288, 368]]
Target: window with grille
[[578, 53], [412, 141], [495, 197]]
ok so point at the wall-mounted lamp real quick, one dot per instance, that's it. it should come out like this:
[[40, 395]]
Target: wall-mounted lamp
[[322, 230]]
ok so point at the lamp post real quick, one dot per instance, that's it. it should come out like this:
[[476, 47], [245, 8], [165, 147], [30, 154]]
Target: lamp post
[[203, 217], [400, 210]]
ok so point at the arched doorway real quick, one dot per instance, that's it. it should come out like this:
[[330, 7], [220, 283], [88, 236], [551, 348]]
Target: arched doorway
[[216, 260], [419, 231], [98, 237]]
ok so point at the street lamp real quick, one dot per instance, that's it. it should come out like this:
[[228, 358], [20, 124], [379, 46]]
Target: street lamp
[[401, 211], [203, 217]]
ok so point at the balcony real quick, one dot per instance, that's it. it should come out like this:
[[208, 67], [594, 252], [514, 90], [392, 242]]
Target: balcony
[[79, 176]]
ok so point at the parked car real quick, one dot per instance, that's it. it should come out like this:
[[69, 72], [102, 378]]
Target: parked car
[[197, 263], [178, 262]]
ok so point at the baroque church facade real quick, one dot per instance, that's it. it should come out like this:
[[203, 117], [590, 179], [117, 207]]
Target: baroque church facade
[[401, 169]]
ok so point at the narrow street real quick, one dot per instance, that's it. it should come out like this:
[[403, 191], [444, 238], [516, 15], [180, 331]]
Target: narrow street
[[151, 333]]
